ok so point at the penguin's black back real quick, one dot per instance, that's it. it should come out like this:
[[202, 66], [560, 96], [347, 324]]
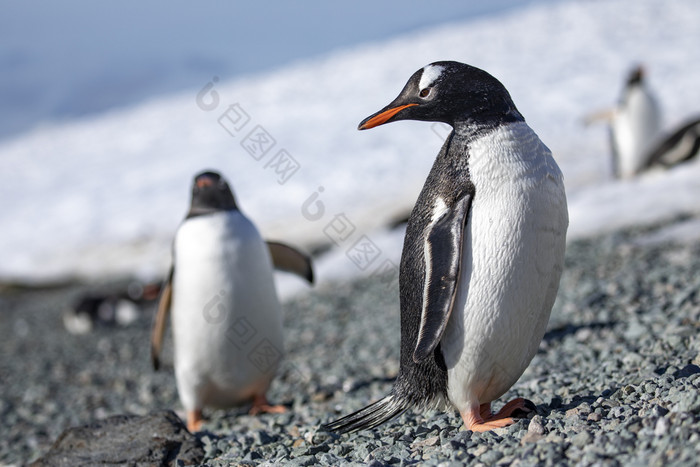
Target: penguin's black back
[[420, 383], [417, 384]]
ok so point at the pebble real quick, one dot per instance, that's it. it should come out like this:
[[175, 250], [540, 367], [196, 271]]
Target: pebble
[[536, 426], [661, 426], [531, 438], [490, 457]]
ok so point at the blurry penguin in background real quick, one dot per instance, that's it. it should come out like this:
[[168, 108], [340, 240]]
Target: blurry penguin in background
[[635, 125], [226, 317], [636, 138], [681, 145], [117, 307]]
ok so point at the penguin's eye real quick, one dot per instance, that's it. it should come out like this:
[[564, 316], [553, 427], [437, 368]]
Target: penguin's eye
[[424, 92]]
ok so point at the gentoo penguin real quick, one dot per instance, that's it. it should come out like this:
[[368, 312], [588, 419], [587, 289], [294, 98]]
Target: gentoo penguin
[[108, 308], [635, 126], [682, 145], [226, 318], [637, 142], [482, 256]]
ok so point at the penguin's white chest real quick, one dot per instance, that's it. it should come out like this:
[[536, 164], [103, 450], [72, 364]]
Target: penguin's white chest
[[636, 127], [512, 258], [226, 317]]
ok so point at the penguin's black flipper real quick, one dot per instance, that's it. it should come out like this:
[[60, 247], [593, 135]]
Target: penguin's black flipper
[[443, 254], [161, 319], [371, 416], [286, 258]]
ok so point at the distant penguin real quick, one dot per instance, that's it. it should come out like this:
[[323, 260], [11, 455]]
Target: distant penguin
[[682, 145], [482, 256], [637, 141], [635, 127], [114, 308], [226, 317]]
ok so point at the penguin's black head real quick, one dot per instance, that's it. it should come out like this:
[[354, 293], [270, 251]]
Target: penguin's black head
[[210, 193], [635, 76], [449, 92]]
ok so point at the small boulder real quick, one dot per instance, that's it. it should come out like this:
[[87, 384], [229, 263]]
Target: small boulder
[[159, 438]]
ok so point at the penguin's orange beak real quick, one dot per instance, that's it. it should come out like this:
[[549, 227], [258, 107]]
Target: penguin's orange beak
[[204, 181], [381, 117]]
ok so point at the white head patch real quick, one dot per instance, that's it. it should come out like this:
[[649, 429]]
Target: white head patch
[[430, 74]]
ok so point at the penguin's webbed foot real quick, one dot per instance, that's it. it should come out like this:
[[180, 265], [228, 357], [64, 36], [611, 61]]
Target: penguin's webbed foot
[[481, 418], [261, 405], [517, 408], [194, 420]]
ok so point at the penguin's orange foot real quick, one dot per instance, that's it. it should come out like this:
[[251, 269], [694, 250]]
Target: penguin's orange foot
[[481, 419], [517, 408], [261, 405], [194, 420]]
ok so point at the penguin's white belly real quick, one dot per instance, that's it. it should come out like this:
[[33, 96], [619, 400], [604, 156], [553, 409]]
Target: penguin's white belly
[[512, 259], [227, 322], [636, 127]]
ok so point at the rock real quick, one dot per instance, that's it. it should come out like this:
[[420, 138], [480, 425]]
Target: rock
[[689, 401], [686, 371], [480, 450], [536, 426], [490, 457], [582, 439], [432, 441], [159, 438], [531, 437], [661, 426], [261, 437], [303, 461], [635, 330]]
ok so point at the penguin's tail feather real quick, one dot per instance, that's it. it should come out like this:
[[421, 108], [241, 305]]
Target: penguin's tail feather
[[371, 416]]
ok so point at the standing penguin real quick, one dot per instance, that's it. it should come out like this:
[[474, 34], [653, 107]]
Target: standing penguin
[[226, 318], [482, 256], [635, 126]]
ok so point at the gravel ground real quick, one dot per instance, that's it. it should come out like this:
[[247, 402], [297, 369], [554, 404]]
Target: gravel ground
[[615, 381]]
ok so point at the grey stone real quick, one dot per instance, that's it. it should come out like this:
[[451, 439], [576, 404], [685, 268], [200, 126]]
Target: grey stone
[[536, 426], [582, 439], [158, 438], [687, 371], [490, 457], [261, 437], [304, 461]]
